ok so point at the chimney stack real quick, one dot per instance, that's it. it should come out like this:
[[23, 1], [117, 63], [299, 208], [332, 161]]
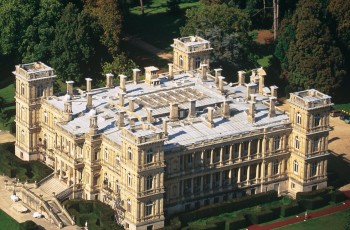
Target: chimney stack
[[174, 112], [250, 90], [149, 115], [273, 91], [93, 122], [192, 110], [88, 84], [171, 71], [89, 101], [210, 117], [136, 75], [121, 99], [109, 80], [261, 84], [70, 88], [225, 110], [122, 82], [131, 104], [68, 114], [165, 127], [251, 112], [272, 110], [241, 77], [217, 74], [204, 71], [221, 84], [121, 119]]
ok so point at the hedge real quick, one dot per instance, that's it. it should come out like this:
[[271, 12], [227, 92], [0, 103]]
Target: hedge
[[260, 217], [311, 194], [313, 203], [236, 223], [220, 224], [338, 196], [230, 206], [290, 210]]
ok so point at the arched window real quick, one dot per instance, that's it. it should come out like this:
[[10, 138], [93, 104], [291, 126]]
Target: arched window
[[298, 118], [277, 143], [105, 179], [45, 141], [129, 180], [197, 62], [149, 156], [128, 205], [45, 117], [40, 90], [106, 154], [129, 153], [315, 144], [275, 167], [297, 142], [117, 161], [181, 61], [149, 182], [22, 89], [317, 120], [148, 208], [295, 166], [117, 186], [314, 168]]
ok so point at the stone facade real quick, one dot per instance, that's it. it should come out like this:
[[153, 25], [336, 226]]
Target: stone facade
[[175, 141]]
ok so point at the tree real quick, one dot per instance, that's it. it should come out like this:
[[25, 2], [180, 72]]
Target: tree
[[72, 47], [173, 6], [227, 29], [312, 59], [119, 65], [109, 19]]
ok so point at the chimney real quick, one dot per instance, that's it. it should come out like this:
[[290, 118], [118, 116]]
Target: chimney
[[165, 127], [171, 71], [121, 99], [109, 80], [251, 112], [272, 110], [225, 110], [68, 114], [204, 71], [136, 75], [273, 91], [149, 115], [217, 74], [241, 77], [70, 88], [131, 104], [121, 119], [250, 90], [93, 123], [210, 117], [192, 110], [252, 97], [88, 84], [89, 101], [221, 84], [174, 112], [122, 82], [261, 83]]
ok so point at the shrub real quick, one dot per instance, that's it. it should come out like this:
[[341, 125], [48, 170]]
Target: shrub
[[311, 194], [219, 223], [86, 207], [236, 223], [260, 217], [29, 225], [290, 210], [313, 203], [337, 196]]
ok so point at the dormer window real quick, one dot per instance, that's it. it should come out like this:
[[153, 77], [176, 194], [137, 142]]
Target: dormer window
[[298, 118], [181, 61]]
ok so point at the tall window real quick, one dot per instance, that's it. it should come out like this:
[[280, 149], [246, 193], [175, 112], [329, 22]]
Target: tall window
[[40, 90], [197, 62], [117, 161], [148, 208], [22, 89], [105, 179], [106, 154], [315, 144], [181, 61], [275, 167], [96, 156], [295, 166], [45, 117], [297, 142], [298, 118], [128, 205], [317, 120], [129, 180], [313, 168], [277, 143], [129, 154], [149, 182], [149, 156]]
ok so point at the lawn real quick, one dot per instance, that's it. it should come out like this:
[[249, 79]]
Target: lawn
[[7, 222], [14, 167], [345, 107], [9, 108], [148, 28], [334, 221]]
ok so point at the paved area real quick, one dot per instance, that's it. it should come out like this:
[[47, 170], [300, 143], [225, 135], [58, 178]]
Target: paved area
[[6, 136], [5, 205]]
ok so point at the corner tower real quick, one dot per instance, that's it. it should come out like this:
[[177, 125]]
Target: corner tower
[[190, 52], [33, 81], [309, 115]]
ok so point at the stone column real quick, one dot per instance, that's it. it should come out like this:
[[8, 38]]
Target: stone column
[[262, 171], [248, 174], [221, 155], [325, 167], [269, 168], [283, 166], [239, 175], [240, 151], [230, 154], [202, 158], [257, 173], [249, 148], [212, 157], [308, 171]]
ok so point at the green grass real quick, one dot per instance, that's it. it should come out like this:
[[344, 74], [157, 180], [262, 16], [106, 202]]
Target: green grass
[[9, 107], [12, 166], [7, 222], [345, 107], [333, 221], [8, 93], [148, 27]]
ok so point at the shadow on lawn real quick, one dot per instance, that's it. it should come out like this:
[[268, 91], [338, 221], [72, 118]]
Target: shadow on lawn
[[338, 170]]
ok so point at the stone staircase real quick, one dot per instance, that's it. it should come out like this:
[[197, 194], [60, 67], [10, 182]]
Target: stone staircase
[[58, 211], [53, 185]]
